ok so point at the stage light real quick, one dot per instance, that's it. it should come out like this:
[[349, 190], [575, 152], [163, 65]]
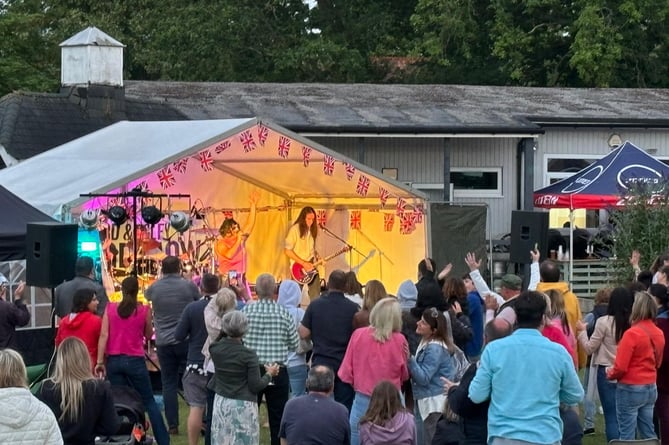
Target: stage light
[[89, 219], [151, 215], [117, 215], [180, 221]]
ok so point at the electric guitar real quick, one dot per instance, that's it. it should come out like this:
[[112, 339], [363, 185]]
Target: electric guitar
[[303, 277]]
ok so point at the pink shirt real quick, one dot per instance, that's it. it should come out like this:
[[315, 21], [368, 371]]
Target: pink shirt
[[126, 336], [368, 361], [236, 262]]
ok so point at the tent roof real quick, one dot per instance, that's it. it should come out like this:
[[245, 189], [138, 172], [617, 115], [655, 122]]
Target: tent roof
[[600, 184], [16, 214], [113, 156]]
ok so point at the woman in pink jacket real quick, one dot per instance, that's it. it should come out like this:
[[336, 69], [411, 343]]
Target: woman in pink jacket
[[374, 353]]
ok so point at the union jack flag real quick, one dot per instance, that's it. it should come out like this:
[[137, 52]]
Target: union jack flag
[[227, 214], [383, 196], [356, 220], [180, 165], [321, 217], [206, 161], [263, 132], [388, 222], [306, 155], [284, 146], [417, 214], [221, 147], [144, 185], [246, 138], [328, 165], [401, 206], [406, 223], [363, 185], [350, 171], [166, 177]]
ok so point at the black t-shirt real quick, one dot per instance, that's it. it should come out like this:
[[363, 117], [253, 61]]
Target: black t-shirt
[[330, 320]]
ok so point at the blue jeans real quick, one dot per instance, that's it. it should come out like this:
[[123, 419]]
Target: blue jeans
[[298, 380], [607, 396], [358, 409], [635, 404], [125, 370], [172, 360]]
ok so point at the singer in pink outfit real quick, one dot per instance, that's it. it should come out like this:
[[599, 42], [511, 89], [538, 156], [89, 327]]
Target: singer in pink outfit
[[230, 248]]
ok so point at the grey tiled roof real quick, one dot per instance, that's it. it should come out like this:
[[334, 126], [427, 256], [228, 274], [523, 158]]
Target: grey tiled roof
[[407, 108], [31, 123]]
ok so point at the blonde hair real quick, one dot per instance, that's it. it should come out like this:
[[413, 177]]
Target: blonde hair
[[224, 301], [385, 318], [644, 307], [374, 292], [13, 372], [73, 368]]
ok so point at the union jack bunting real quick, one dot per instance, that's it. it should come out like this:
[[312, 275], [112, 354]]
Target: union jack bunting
[[383, 196], [328, 165], [180, 165], [401, 206], [263, 132], [246, 138], [350, 171], [306, 155], [227, 214], [284, 146], [222, 146], [144, 185], [166, 177], [321, 217], [388, 222], [206, 161], [356, 220], [417, 214], [406, 223], [363, 185]]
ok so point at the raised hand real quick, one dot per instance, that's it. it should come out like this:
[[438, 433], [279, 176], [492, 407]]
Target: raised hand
[[470, 259], [254, 197], [535, 255], [491, 302]]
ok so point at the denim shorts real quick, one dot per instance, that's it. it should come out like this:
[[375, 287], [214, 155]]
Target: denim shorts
[[195, 388]]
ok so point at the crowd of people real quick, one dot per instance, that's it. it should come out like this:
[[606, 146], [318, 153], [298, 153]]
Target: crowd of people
[[445, 360]]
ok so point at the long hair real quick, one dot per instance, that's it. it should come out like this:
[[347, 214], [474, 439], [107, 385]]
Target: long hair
[[227, 226], [385, 318], [643, 308], [353, 286], [128, 304], [558, 310], [620, 308], [454, 290], [73, 368], [12, 370], [301, 222], [383, 405], [374, 292], [440, 323]]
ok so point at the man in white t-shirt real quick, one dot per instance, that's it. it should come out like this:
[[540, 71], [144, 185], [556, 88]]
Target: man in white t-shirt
[[300, 247]]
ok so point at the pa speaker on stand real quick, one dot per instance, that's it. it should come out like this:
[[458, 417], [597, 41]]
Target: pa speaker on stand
[[51, 253], [527, 230]]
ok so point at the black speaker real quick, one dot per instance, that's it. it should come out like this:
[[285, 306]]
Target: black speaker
[[528, 229], [51, 253]]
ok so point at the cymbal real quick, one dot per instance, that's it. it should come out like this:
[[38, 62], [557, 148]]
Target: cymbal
[[149, 245], [205, 231]]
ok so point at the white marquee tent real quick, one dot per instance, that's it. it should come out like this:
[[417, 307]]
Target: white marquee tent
[[218, 164]]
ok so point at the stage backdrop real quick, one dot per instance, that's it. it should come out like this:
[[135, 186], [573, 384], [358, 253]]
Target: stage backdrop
[[216, 165]]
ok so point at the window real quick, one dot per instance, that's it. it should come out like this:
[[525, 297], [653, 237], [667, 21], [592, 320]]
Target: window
[[476, 182]]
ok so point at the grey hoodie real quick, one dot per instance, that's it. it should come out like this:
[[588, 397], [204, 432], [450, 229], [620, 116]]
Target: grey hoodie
[[290, 295]]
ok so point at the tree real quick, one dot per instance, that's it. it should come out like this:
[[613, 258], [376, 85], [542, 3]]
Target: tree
[[641, 224]]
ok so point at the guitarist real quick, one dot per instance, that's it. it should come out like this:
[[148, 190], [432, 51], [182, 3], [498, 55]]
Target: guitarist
[[300, 246]]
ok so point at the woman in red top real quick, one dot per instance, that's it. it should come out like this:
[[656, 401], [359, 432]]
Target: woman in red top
[[82, 322], [638, 357]]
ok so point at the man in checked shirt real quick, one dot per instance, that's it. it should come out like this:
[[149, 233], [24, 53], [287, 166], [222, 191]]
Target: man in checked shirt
[[272, 335]]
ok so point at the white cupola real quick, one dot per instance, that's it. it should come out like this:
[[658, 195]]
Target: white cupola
[[91, 57]]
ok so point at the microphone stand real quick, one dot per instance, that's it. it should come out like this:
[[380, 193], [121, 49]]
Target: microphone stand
[[381, 253], [329, 232]]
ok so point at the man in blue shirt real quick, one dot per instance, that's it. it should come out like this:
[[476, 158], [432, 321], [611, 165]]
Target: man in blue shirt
[[526, 377]]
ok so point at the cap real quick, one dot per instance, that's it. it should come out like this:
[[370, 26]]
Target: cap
[[511, 281]]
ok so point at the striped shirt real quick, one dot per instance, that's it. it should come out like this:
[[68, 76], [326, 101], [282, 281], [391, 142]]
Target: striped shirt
[[271, 334]]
